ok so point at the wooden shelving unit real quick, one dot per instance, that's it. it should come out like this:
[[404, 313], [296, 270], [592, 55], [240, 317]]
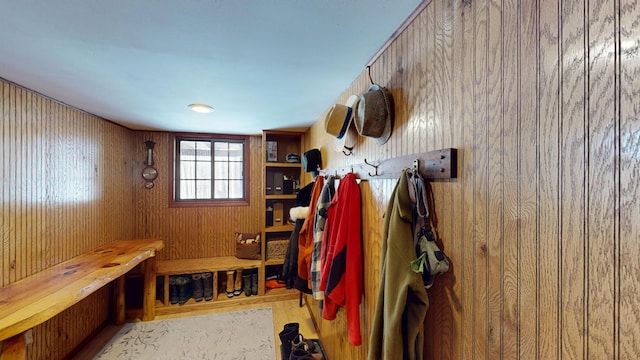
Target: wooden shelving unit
[[275, 171]]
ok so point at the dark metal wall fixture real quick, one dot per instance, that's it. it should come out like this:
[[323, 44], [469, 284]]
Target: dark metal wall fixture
[[149, 173], [432, 165]]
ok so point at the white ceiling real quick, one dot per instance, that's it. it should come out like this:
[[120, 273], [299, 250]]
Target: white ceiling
[[261, 64]]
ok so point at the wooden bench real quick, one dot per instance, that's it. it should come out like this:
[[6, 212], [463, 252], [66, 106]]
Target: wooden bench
[[39, 297]]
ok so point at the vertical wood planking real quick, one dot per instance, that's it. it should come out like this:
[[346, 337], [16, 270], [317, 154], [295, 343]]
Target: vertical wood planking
[[602, 176], [191, 232], [540, 226], [465, 209], [572, 169], [479, 259], [438, 321], [47, 199], [628, 320], [532, 109], [549, 137], [448, 288], [512, 161], [5, 106], [528, 286], [497, 150]]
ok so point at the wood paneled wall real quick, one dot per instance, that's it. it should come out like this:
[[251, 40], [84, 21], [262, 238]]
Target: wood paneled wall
[[541, 225], [192, 232], [67, 187]]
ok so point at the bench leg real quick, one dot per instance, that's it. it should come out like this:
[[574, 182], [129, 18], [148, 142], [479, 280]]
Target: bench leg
[[14, 348], [149, 295], [119, 311]]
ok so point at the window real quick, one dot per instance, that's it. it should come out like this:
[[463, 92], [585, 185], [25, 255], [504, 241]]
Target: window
[[210, 170]]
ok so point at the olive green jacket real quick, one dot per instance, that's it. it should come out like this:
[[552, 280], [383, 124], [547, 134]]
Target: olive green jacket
[[402, 301]]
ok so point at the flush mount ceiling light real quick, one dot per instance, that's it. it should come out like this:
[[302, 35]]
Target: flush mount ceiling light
[[201, 108]]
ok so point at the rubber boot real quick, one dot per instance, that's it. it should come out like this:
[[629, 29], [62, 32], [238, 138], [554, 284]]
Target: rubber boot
[[207, 284], [288, 333], [173, 290], [184, 289], [198, 291], [237, 288], [230, 283], [246, 282], [254, 283]]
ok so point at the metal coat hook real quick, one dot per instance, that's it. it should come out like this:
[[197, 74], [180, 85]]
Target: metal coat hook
[[369, 70], [375, 167]]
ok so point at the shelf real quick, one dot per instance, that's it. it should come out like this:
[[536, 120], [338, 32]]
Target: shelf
[[278, 174], [282, 228], [193, 266], [282, 164], [280, 291], [281, 197], [273, 262]]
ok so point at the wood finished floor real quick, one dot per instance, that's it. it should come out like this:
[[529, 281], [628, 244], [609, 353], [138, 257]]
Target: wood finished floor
[[284, 311]]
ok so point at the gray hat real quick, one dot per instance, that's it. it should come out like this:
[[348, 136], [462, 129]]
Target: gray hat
[[374, 114]]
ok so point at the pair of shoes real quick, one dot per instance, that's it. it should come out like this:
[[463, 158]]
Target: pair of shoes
[[250, 283], [234, 287], [288, 333], [202, 286], [179, 289], [306, 349]]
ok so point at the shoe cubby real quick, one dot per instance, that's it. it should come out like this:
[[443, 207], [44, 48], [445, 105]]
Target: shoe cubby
[[243, 284], [187, 276]]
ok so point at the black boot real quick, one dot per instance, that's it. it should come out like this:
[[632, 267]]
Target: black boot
[[207, 283], [173, 290], [198, 291], [288, 333], [254, 283], [246, 284], [184, 289]]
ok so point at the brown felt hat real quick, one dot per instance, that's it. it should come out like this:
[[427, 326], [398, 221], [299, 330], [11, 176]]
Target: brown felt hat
[[374, 114]]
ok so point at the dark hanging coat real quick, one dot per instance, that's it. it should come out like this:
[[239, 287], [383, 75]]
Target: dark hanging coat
[[298, 214]]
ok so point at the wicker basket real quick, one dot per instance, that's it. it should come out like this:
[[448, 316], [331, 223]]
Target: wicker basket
[[276, 249]]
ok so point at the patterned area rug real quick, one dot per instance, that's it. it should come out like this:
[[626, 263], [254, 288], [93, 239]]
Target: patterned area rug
[[244, 334]]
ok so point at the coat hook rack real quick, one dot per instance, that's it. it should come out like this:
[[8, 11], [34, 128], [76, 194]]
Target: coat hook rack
[[375, 167], [432, 165]]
